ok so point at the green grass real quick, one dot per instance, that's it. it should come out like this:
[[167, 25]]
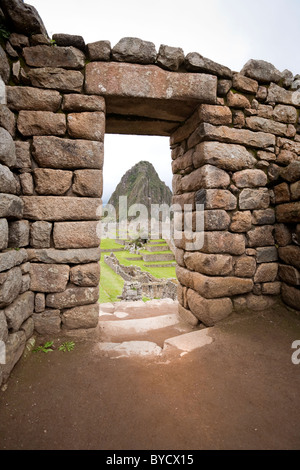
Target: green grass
[[108, 244], [111, 284]]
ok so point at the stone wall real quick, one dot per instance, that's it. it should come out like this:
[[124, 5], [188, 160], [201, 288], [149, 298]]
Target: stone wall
[[146, 284], [240, 158], [235, 144]]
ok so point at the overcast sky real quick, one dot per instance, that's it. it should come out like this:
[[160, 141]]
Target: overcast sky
[[227, 31]]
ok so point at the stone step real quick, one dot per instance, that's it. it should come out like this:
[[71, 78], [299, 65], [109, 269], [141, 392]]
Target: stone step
[[118, 328], [154, 248], [158, 257], [178, 345]]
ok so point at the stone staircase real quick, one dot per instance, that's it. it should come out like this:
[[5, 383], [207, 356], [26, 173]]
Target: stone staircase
[[151, 329]]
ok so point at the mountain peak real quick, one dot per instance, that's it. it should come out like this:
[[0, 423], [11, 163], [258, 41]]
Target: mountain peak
[[142, 185]]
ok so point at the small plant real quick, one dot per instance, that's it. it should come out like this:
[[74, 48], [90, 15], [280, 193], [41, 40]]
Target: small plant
[[4, 33], [67, 346], [53, 42], [47, 347]]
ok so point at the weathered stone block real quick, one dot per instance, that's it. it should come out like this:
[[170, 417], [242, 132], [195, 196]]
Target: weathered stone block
[[266, 254], [4, 66], [88, 183], [266, 272], [3, 327], [47, 322], [213, 114], [11, 206], [45, 56], [214, 220], [254, 199], [55, 182], [210, 264], [87, 125], [3, 234], [263, 217], [85, 275], [183, 164], [223, 242], [138, 81], [7, 148], [170, 58], [261, 71], [216, 199], [290, 255], [195, 62], [208, 176], [288, 213], [99, 50], [12, 258], [66, 40], [229, 157], [76, 235], [86, 316], [40, 234], [224, 86], [295, 191], [230, 135], [23, 159], [241, 221], [283, 113], [260, 236], [79, 103], [49, 277], [244, 84], [57, 79], [259, 303], [267, 125], [283, 235], [10, 286], [291, 296], [18, 233], [75, 256], [32, 99], [73, 297], [60, 208], [245, 266], [19, 310], [236, 100], [292, 172], [14, 348], [39, 302], [67, 154], [134, 50], [187, 316], [7, 181], [41, 123], [209, 312], [289, 274], [7, 119], [282, 193], [278, 94], [271, 288], [249, 178], [26, 182]]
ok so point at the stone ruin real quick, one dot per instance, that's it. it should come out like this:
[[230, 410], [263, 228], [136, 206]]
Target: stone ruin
[[235, 147], [140, 283]]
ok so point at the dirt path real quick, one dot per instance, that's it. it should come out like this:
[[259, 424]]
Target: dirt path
[[239, 392]]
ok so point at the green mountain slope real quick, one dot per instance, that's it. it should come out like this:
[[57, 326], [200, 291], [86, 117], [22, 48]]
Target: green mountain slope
[[141, 184]]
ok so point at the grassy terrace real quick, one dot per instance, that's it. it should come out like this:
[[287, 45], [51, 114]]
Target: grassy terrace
[[111, 284]]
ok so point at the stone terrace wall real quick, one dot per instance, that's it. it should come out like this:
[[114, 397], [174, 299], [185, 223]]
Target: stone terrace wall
[[235, 143]]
